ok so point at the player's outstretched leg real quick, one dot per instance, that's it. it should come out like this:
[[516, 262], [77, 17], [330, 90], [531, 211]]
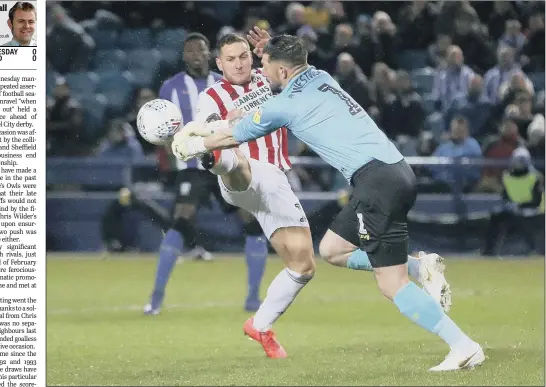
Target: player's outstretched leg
[[295, 247], [422, 309], [426, 269], [235, 167]]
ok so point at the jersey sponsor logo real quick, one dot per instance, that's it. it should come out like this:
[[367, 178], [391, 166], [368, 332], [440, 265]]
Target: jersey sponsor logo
[[257, 117], [253, 99]]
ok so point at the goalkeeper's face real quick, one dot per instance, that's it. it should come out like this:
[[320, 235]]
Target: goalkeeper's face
[[235, 62], [276, 74]]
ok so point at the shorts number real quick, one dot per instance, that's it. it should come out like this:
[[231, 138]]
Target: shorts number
[[354, 108], [185, 188], [362, 232]]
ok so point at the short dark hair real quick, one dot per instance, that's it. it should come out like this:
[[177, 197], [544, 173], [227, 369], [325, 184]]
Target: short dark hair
[[23, 6], [286, 48], [229, 39], [197, 36]]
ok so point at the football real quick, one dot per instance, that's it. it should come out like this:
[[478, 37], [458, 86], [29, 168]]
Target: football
[[158, 121]]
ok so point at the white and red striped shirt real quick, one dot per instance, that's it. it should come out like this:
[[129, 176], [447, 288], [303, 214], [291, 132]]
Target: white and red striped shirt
[[222, 97]]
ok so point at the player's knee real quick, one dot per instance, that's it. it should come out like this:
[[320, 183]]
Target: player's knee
[[326, 249], [332, 245], [301, 257]]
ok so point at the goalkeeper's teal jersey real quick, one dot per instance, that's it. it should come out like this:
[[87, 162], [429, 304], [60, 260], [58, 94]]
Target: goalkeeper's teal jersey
[[321, 114]]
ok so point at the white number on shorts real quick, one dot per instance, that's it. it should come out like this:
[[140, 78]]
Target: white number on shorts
[[185, 188], [361, 229]]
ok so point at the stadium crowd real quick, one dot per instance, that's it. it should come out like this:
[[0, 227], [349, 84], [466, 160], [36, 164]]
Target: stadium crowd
[[454, 79]]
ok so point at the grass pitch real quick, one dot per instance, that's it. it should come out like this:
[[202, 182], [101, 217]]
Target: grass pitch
[[340, 330]]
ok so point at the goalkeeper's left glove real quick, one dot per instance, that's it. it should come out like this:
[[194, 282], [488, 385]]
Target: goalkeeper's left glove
[[187, 147]]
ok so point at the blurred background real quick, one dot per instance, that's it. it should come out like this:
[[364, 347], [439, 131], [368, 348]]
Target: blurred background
[[457, 86]]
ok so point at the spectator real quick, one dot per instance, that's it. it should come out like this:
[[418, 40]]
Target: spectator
[[533, 50], [315, 55], [295, 18], [382, 87], [406, 114], [448, 11], [524, 116], [142, 96], [437, 52], [352, 80], [499, 147], [69, 47], [366, 48], [513, 37], [535, 140], [64, 125], [517, 83], [459, 144], [523, 195], [415, 25], [344, 41], [502, 12], [384, 38], [499, 74], [120, 141], [451, 82], [473, 106], [477, 51]]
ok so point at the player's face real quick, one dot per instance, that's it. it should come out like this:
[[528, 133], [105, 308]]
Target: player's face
[[274, 73], [23, 25], [196, 56], [235, 62]]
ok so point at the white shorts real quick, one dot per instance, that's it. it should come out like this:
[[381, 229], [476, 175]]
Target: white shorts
[[269, 198]]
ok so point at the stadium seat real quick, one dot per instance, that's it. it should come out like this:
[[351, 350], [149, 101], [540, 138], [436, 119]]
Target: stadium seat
[[169, 56], [412, 59], [435, 123], [170, 38], [51, 81], [110, 60], [117, 87], [144, 65], [138, 38], [423, 80], [428, 105], [94, 106], [82, 83], [104, 39], [538, 81]]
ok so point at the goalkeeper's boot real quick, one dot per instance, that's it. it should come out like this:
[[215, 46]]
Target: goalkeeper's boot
[[431, 276], [454, 361], [267, 339]]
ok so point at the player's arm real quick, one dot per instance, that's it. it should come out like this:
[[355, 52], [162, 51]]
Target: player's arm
[[228, 133], [241, 129]]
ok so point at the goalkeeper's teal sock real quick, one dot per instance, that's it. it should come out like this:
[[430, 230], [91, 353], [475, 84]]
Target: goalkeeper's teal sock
[[417, 305], [359, 260]]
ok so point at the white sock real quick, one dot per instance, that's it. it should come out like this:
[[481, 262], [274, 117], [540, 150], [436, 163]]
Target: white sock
[[228, 162], [282, 291], [413, 267]]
